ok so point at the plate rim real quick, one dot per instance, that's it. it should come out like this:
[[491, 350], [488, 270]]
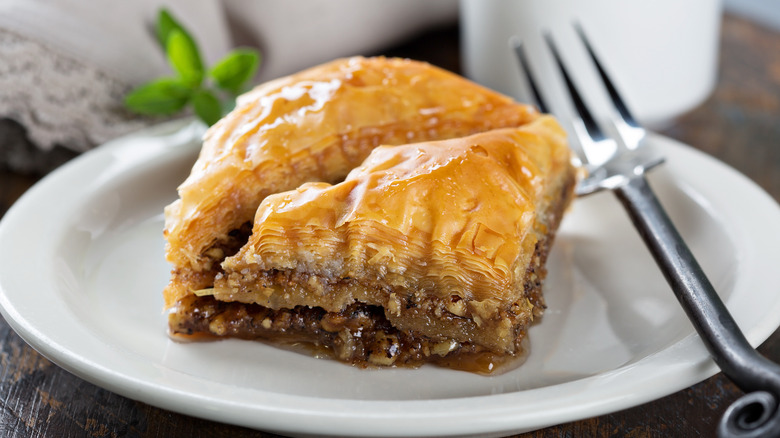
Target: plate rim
[[416, 418]]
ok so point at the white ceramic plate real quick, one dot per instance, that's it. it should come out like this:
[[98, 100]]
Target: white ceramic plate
[[82, 269]]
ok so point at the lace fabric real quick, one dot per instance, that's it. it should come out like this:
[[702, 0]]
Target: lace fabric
[[58, 100]]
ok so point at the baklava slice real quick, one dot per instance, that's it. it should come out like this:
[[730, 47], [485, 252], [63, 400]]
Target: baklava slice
[[427, 252], [315, 125]]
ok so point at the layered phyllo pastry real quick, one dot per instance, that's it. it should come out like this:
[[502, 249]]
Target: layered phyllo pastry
[[379, 211]]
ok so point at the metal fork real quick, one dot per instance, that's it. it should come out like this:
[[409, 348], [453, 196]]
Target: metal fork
[[756, 413]]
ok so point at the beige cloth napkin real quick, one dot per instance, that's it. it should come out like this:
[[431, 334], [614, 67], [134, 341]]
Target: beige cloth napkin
[[297, 34]]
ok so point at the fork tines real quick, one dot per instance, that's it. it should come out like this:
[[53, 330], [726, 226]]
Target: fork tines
[[595, 145]]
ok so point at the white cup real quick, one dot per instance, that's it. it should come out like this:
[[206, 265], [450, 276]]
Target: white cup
[[662, 54]]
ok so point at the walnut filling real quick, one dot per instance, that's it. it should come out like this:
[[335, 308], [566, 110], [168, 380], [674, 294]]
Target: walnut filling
[[225, 247], [360, 334]]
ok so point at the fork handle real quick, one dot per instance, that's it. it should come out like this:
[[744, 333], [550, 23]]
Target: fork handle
[[755, 413]]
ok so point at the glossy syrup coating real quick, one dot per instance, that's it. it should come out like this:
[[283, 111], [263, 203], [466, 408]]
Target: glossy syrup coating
[[441, 235], [316, 125]]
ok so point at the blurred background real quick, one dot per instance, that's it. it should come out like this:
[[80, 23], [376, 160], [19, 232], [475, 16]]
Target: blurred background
[[65, 66]]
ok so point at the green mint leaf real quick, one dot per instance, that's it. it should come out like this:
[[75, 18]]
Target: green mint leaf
[[165, 24], [207, 106], [160, 97], [166, 96], [184, 57], [235, 69]]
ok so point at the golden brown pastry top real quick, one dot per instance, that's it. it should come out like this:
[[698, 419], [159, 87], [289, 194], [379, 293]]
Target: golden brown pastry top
[[455, 217], [317, 125]]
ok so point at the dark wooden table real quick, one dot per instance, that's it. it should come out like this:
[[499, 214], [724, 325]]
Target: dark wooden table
[[739, 124]]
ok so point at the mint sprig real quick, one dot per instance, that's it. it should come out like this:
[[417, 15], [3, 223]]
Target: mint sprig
[[235, 69], [210, 92]]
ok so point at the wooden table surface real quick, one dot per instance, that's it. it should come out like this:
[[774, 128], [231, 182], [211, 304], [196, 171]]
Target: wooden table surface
[[739, 124]]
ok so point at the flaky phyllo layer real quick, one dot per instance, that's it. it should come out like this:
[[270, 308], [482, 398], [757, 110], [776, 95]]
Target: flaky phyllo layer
[[287, 229], [316, 125]]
